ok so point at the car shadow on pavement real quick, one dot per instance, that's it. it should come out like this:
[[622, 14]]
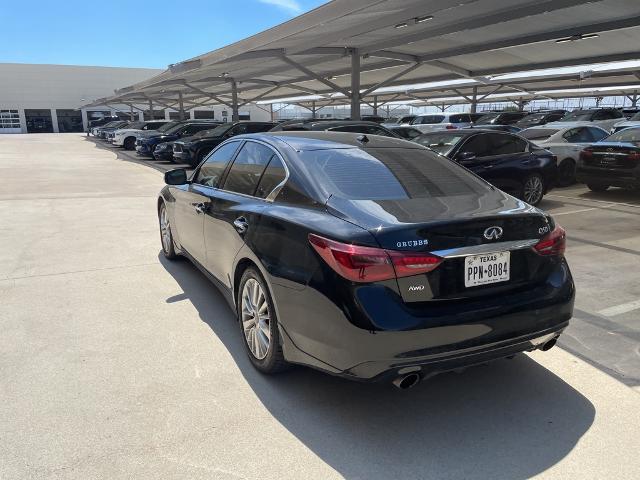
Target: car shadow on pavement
[[512, 419]]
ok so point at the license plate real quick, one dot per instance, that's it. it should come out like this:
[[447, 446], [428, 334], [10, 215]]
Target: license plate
[[486, 269]]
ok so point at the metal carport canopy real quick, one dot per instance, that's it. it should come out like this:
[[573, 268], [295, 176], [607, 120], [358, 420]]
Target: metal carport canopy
[[361, 45]]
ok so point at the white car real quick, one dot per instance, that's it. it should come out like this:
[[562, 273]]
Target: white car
[[566, 143], [631, 122], [441, 121], [604, 118], [126, 137]]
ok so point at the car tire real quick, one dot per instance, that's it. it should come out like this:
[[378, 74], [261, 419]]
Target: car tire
[[129, 143], [567, 172], [261, 338], [596, 187], [533, 189], [166, 237]]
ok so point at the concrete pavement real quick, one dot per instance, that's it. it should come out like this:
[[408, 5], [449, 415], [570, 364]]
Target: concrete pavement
[[118, 364]]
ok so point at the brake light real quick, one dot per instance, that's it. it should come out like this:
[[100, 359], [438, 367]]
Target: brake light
[[586, 154], [368, 264], [553, 243], [633, 156], [451, 127]]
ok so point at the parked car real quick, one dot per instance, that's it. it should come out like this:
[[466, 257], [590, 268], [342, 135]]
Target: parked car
[[193, 149], [441, 121], [98, 122], [566, 144], [634, 121], [97, 131], [612, 162], [502, 128], [629, 112], [347, 256], [109, 132], [507, 161], [600, 117], [126, 137], [146, 144], [408, 133], [353, 126], [540, 118], [372, 118], [394, 121], [500, 118]]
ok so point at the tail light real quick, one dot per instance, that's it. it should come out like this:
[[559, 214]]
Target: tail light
[[586, 154], [369, 264], [553, 243], [451, 127], [634, 156]]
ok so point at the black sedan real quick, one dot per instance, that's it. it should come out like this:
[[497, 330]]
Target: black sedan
[[367, 257], [613, 161], [507, 161], [192, 150]]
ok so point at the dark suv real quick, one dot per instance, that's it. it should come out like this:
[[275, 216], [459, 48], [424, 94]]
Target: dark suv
[[193, 149]]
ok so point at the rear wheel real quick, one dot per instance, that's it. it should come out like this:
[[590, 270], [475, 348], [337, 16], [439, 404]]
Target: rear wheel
[[129, 143], [595, 187], [567, 172], [533, 189], [166, 238], [259, 323]]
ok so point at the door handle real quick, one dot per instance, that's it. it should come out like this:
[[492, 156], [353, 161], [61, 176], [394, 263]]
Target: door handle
[[241, 225], [200, 207]]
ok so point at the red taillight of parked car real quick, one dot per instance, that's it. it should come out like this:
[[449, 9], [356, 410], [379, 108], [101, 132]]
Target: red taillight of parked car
[[451, 127], [369, 264], [554, 243], [635, 156], [586, 154]]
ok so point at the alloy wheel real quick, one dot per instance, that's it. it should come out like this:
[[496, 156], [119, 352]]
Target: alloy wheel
[[165, 233], [533, 190], [255, 319]]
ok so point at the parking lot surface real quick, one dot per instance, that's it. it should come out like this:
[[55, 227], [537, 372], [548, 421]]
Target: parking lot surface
[[118, 364]]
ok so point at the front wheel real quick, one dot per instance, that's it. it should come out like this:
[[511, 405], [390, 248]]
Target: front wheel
[[259, 323], [533, 189], [595, 187], [166, 238], [129, 143]]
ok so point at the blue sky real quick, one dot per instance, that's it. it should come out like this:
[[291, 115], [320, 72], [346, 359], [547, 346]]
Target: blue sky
[[133, 33]]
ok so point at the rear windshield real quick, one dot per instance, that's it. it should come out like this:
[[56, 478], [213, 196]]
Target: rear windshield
[[388, 174], [537, 133], [442, 143], [631, 135]]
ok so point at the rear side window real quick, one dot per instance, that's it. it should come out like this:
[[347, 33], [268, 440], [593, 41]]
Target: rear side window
[[248, 167], [578, 135], [478, 145], [388, 174], [273, 176], [428, 119], [506, 144], [462, 118], [212, 169], [597, 134]]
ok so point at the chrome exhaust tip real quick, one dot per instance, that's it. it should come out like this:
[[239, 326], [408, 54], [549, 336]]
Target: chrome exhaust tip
[[549, 345], [406, 381]]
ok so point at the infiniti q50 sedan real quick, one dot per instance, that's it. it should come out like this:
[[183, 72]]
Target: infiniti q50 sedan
[[367, 257]]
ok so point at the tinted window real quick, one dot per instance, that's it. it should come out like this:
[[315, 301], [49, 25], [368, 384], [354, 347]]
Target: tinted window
[[193, 128], [247, 168], [408, 133], [506, 144], [388, 174], [578, 135], [488, 118], [273, 176], [462, 118], [213, 168], [239, 129], [578, 116], [627, 135], [259, 127], [597, 133], [479, 145]]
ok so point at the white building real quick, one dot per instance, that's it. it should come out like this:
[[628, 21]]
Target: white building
[[47, 98]]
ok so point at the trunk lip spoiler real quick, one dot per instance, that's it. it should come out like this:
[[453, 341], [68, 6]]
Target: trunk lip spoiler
[[486, 248]]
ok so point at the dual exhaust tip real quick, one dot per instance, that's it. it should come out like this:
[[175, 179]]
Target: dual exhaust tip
[[405, 382]]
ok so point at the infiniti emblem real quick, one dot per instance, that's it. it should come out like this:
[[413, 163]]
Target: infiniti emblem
[[493, 233]]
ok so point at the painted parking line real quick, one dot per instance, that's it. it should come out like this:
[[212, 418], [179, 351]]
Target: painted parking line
[[596, 201], [620, 309]]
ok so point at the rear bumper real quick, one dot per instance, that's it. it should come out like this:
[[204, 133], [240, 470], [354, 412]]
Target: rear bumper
[[163, 155], [440, 339], [626, 178], [183, 156]]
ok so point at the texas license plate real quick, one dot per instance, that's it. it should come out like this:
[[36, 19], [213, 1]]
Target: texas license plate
[[485, 269]]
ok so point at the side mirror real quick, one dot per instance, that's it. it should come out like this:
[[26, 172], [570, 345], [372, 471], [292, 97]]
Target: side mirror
[[177, 176], [466, 157]]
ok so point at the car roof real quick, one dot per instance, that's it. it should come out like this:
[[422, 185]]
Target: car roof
[[321, 140]]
